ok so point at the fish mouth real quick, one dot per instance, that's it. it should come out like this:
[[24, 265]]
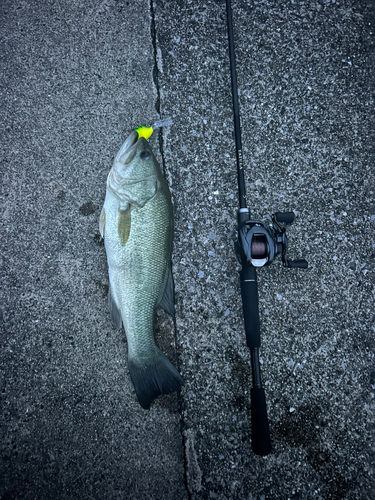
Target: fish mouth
[[130, 147], [133, 139], [125, 149]]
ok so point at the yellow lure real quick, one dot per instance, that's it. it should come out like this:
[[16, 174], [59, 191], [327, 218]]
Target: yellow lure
[[146, 132]]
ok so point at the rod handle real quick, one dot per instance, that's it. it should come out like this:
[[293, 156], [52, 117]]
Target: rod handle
[[261, 440], [249, 293]]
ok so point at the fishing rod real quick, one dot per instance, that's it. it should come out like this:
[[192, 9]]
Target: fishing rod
[[257, 245]]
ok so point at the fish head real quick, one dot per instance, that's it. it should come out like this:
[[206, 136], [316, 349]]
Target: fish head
[[135, 175]]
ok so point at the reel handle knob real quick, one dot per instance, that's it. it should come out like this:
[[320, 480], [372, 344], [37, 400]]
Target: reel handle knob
[[285, 217]]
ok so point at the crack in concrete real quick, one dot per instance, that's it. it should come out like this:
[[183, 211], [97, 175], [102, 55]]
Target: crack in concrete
[[155, 74]]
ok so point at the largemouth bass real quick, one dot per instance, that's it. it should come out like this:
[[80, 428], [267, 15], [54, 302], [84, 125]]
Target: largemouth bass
[[137, 226]]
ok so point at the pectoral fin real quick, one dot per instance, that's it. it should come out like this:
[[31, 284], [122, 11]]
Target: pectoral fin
[[167, 300], [102, 223], [124, 224], [114, 310]]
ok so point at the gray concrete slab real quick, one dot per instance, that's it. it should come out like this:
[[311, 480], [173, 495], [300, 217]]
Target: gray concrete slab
[[76, 79], [305, 107]]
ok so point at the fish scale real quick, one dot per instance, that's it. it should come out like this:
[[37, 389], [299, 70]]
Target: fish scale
[[137, 225], [139, 283]]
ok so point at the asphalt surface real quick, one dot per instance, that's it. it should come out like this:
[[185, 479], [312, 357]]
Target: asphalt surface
[[76, 79]]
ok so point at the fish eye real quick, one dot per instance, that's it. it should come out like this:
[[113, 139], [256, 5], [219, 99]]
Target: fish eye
[[145, 155]]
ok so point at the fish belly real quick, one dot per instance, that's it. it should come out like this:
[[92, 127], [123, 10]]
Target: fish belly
[[137, 269]]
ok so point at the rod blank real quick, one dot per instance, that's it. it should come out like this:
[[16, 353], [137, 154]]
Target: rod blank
[[236, 110], [261, 442]]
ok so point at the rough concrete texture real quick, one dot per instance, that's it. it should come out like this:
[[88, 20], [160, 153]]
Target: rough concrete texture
[[77, 77]]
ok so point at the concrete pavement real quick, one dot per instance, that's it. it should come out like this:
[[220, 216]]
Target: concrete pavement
[[76, 79]]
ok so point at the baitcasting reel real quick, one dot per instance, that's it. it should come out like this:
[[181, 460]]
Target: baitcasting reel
[[259, 243]]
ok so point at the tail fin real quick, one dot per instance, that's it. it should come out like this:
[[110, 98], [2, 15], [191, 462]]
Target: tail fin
[[154, 377]]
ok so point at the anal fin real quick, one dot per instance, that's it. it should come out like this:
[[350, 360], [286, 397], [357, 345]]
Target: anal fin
[[167, 300], [114, 310]]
